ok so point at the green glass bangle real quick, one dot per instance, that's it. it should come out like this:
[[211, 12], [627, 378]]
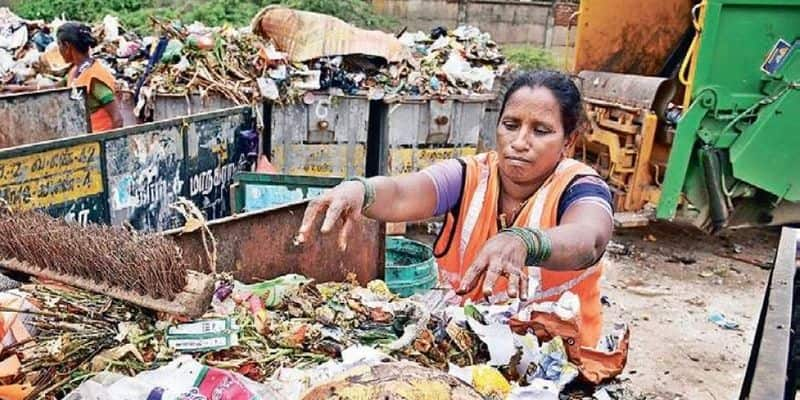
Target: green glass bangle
[[369, 191], [545, 245], [529, 239]]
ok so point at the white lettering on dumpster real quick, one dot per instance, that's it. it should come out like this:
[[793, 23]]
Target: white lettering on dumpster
[[81, 217], [206, 181]]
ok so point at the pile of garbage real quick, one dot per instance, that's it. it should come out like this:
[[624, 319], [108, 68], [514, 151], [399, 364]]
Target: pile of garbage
[[22, 47], [288, 338], [273, 59]]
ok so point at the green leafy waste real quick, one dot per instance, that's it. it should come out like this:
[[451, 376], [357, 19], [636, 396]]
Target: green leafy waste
[[135, 14]]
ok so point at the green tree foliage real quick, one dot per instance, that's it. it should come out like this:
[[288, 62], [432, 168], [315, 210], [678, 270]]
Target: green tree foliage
[[358, 12], [134, 14], [530, 58]]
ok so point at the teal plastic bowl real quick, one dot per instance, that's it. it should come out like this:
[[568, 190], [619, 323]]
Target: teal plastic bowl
[[410, 267], [412, 288]]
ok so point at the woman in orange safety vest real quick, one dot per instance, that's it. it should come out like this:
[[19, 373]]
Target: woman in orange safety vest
[[521, 221], [75, 40]]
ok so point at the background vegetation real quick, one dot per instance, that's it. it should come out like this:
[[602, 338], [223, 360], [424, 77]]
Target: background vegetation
[[530, 57], [134, 14]]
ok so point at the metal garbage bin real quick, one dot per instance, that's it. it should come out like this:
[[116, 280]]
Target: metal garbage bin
[[420, 131], [168, 106], [253, 191], [41, 116], [323, 135]]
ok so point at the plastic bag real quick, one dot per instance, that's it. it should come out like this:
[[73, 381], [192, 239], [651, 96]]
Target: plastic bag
[[110, 28], [6, 61], [272, 291], [595, 366], [12, 38], [182, 378], [173, 51], [200, 41], [458, 69]]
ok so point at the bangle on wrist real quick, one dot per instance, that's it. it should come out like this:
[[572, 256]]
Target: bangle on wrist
[[537, 243], [369, 191], [530, 241], [545, 247]]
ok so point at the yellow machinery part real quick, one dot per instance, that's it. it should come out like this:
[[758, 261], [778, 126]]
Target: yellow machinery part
[[641, 181], [626, 141], [698, 18], [621, 145]]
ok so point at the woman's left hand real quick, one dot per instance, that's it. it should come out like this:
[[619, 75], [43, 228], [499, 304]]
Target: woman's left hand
[[502, 255]]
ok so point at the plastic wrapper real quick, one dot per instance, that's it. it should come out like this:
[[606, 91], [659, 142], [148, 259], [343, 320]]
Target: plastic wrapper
[[272, 291], [6, 61], [554, 364], [110, 28], [594, 365], [13, 36], [182, 378]]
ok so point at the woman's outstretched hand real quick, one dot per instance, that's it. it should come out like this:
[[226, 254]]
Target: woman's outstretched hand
[[502, 255], [342, 203]]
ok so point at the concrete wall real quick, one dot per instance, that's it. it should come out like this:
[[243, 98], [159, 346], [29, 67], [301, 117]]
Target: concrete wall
[[538, 23]]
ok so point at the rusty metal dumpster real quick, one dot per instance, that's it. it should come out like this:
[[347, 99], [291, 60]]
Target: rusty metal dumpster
[[41, 116], [260, 245], [169, 106]]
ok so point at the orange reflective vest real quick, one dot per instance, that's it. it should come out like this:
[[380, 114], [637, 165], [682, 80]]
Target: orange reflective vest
[[101, 119], [463, 237]]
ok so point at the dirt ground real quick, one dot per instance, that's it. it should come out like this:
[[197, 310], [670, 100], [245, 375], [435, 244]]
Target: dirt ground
[[665, 281]]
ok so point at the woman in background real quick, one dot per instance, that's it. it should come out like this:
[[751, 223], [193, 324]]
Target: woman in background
[[75, 41]]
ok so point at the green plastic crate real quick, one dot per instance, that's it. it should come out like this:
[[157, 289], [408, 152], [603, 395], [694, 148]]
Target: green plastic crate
[[410, 266]]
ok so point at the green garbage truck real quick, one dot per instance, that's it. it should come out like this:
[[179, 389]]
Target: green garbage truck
[[693, 108]]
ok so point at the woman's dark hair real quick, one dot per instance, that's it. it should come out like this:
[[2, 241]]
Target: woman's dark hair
[[78, 35], [562, 87]]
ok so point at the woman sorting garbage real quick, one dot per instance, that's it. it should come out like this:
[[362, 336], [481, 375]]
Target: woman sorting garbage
[[75, 40], [523, 221]]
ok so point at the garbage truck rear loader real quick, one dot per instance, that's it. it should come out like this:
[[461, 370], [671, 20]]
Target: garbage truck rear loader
[[694, 108]]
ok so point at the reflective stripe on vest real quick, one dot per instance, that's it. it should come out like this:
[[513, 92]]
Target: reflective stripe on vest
[[535, 222], [475, 208], [538, 295]]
